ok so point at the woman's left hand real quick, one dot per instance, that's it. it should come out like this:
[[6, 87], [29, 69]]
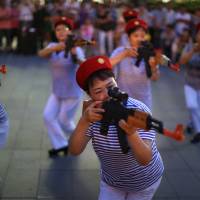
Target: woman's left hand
[[154, 68], [73, 51], [153, 63]]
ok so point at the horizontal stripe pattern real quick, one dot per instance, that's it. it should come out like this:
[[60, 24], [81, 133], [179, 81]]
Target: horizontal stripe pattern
[[122, 170], [3, 114]]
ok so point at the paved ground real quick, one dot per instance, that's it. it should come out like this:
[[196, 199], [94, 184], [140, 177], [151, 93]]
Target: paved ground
[[26, 171]]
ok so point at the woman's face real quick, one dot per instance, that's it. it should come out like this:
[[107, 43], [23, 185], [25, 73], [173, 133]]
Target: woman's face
[[137, 37], [98, 91], [62, 31]]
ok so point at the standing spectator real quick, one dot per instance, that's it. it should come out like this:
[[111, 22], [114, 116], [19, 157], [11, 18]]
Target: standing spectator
[[40, 19], [179, 44], [27, 39], [167, 38], [120, 37], [131, 78], [87, 32], [5, 26], [170, 15], [14, 23], [158, 22], [132, 175], [105, 25], [65, 96], [182, 20], [128, 14], [191, 59]]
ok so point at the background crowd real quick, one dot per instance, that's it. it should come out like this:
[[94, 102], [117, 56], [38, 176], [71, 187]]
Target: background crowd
[[27, 26]]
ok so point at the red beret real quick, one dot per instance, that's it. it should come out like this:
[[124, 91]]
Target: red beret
[[133, 23], [90, 66], [130, 14], [66, 21]]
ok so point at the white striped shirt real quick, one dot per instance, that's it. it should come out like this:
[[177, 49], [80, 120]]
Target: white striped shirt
[[122, 170], [133, 79], [3, 114], [4, 126]]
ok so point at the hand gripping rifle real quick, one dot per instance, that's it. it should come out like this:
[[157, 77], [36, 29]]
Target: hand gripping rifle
[[115, 110], [72, 41], [3, 70], [145, 51]]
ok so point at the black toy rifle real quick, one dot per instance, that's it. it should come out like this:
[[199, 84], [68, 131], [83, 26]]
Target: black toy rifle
[[145, 51], [115, 110], [72, 41]]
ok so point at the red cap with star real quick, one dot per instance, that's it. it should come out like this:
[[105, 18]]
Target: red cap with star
[[132, 24], [66, 21], [130, 14], [90, 66]]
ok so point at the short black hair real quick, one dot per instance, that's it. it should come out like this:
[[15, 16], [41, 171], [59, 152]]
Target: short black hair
[[135, 29], [102, 74]]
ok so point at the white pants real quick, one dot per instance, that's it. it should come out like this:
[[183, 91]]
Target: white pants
[[4, 129], [192, 98], [110, 193], [59, 119]]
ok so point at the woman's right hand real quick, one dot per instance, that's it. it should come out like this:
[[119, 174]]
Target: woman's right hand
[[59, 47], [130, 52], [93, 112]]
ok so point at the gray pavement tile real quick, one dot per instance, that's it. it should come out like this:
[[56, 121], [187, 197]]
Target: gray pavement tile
[[56, 198], [21, 184], [14, 127], [58, 163], [197, 173], [189, 198], [165, 189], [161, 198], [85, 198], [5, 157], [28, 139], [87, 160], [45, 142], [25, 160], [26, 198], [173, 161], [190, 154], [186, 184], [85, 184], [55, 184]]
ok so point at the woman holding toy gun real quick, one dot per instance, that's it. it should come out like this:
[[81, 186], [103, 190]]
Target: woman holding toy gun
[[191, 59], [134, 175], [131, 78], [65, 96]]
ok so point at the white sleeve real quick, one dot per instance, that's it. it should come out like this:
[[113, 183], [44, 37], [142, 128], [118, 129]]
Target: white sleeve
[[80, 54]]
